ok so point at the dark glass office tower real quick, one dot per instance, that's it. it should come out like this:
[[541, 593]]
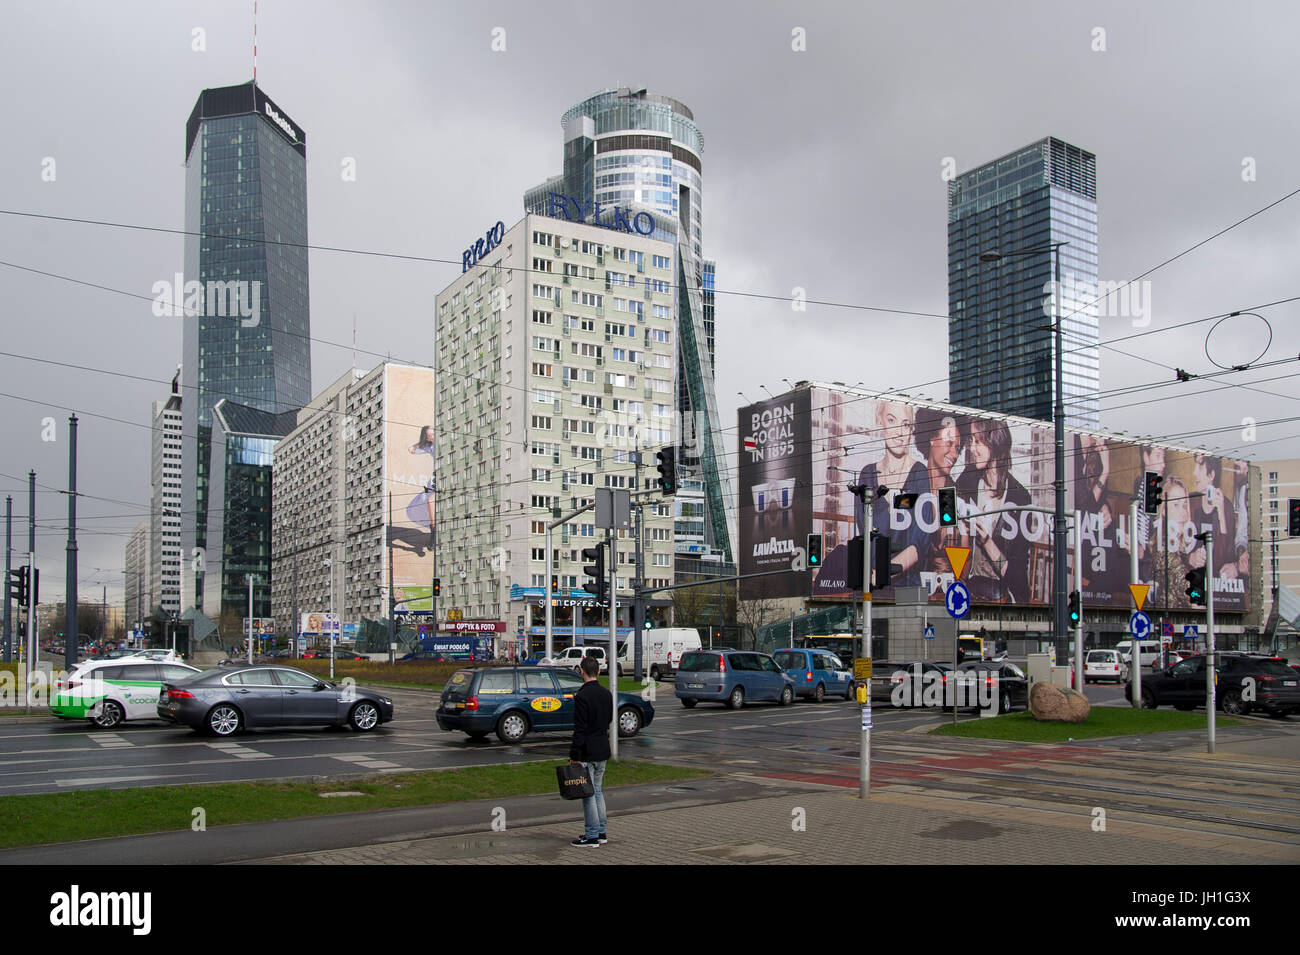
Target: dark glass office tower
[[633, 148], [246, 225], [1001, 352]]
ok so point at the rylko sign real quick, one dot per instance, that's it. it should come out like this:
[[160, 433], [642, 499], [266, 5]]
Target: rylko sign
[[622, 219], [481, 247]]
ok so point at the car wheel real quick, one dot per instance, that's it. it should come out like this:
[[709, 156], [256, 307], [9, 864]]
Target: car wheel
[[819, 694], [654, 673], [787, 695], [620, 669], [512, 727], [224, 720], [364, 716], [737, 698], [1234, 705], [1148, 699], [689, 704], [629, 721], [110, 715], [1006, 702], [848, 692]]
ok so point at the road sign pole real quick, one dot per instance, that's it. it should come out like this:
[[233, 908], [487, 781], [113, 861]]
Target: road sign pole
[[1078, 586], [1134, 642], [864, 743], [611, 655]]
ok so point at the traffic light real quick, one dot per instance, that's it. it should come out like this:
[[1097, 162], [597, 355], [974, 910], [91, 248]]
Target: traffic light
[[649, 624], [555, 583], [854, 572], [33, 586], [905, 502], [1293, 516], [595, 570], [947, 506], [1154, 488], [667, 458], [1196, 586], [18, 585], [1073, 610], [437, 587], [882, 563], [814, 550]]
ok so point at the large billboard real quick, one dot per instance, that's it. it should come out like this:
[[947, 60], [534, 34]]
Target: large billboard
[[799, 452], [409, 445]]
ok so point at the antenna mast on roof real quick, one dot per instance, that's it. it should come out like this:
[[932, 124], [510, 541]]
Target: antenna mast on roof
[[254, 42]]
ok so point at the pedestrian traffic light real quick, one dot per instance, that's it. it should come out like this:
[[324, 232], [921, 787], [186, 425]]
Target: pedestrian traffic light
[[595, 570], [649, 624], [882, 562], [1154, 488], [947, 506], [1073, 610], [1293, 516], [437, 587], [814, 550], [1196, 586], [667, 466], [854, 572]]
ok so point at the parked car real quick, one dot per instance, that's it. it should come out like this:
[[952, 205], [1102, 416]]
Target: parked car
[[516, 701], [733, 677], [108, 692], [533, 659], [1151, 651], [229, 699], [1005, 683], [816, 673], [1101, 665]]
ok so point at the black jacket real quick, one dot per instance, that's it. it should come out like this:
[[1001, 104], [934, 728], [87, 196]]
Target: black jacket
[[593, 709]]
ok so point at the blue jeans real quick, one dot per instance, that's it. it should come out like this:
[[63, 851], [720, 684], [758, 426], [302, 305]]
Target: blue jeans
[[593, 806]]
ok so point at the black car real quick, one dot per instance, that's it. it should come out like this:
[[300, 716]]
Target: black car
[[228, 699], [894, 681], [1004, 683], [1245, 682]]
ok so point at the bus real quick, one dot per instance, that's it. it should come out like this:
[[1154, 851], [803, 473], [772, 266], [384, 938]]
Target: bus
[[970, 647]]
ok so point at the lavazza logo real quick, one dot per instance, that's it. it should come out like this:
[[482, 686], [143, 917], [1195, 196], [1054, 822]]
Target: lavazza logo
[[76, 908], [772, 547]]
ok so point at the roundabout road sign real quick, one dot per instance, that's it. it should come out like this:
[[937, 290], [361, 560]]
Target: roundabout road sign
[[1139, 625], [957, 600]]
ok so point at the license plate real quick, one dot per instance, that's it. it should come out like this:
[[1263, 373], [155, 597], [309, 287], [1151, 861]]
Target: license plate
[[1288, 682], [694, 686]]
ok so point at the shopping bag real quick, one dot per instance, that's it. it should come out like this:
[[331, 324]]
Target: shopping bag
[[574, 781]]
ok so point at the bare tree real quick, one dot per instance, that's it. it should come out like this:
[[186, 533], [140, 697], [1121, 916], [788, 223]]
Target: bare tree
[[759, 609]]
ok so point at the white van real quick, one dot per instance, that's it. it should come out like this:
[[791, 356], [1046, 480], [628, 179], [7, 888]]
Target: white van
[[661, 651], [1150, 652], [571, 657]]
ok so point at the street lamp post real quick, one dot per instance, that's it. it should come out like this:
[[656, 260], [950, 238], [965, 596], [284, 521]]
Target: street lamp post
[[1058, 414]]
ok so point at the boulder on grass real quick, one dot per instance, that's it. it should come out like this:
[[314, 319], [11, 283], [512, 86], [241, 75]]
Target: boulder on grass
[[1050, 703]]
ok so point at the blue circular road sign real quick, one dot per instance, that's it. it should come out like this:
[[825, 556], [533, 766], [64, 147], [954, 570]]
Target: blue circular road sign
[[1139, 625], [957, 600]]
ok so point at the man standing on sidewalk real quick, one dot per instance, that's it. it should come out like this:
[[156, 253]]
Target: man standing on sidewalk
[[593, 710]]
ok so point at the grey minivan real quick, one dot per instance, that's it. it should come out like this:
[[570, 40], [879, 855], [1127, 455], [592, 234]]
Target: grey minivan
[[732, 677]]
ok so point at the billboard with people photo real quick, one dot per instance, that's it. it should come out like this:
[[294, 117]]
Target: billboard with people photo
[[904, 452]]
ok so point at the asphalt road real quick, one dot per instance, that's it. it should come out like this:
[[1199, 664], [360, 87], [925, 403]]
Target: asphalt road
[[49, 755]]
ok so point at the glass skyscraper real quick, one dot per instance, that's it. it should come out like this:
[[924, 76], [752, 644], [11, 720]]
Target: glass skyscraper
[[634, 149], [248, 338], [1001, 351]]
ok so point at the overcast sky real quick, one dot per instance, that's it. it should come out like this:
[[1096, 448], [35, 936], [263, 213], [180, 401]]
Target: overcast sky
[[822, 170]]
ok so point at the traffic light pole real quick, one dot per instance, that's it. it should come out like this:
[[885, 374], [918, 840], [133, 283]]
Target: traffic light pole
[[8, 618], [611, 654], [1133, 577], [550, 596], [1210, 672]]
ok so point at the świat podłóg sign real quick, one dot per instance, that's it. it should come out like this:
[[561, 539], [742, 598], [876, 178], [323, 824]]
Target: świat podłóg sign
[[618, 218]]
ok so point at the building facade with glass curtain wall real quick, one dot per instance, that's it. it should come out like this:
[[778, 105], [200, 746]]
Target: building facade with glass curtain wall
[[1001, 349], [246, 223]]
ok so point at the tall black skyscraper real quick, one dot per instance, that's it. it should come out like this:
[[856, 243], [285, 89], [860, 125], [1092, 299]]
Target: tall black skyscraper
[[246, 335]]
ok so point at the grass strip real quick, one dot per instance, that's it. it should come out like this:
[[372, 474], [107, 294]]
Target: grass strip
[[1102, 721], [103, 813]]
